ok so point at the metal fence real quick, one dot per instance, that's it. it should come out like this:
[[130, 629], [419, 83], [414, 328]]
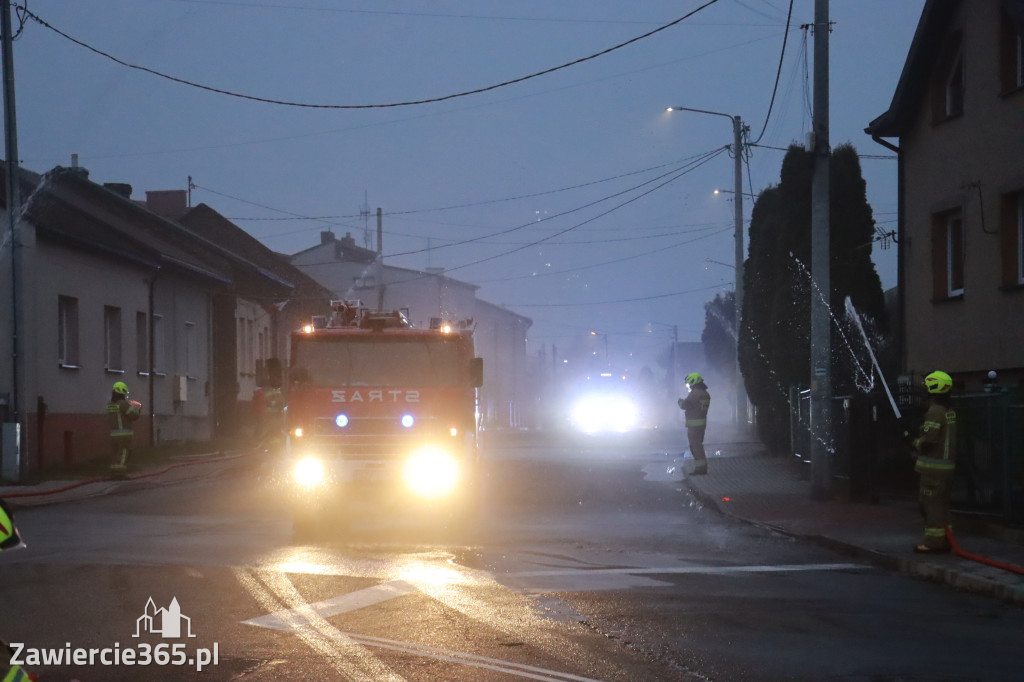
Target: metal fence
[[870, 454]]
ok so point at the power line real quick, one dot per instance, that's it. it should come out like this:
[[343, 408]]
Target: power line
[[678, 174], [600, 215], [432, 15], [622, 300], [778, 73], [267, 100], [700, 160], [607, 262]]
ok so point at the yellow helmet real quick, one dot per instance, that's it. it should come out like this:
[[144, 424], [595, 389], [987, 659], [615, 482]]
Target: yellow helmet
[[120, 388], [693, 378], [938, 382], [9, 538]]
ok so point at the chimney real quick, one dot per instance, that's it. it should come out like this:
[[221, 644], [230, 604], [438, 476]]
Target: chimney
[[169, 203], [120, 188], [76, 169], [347, 242], [326, 237]]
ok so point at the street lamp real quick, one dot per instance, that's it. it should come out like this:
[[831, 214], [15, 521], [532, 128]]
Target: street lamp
[[729, 191], [737, 154]]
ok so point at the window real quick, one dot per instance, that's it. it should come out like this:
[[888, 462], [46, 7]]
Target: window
[[67, 331], [248, 347], [141, 343], [955, 89], [1011, 231], [158, 344], [112, 339], [948, 255], [1011, 47], [954, 255], [240, 362], [947, 85], [1020, 238], [191, 349]]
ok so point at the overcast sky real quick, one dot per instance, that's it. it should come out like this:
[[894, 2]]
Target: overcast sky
[[577, 157]]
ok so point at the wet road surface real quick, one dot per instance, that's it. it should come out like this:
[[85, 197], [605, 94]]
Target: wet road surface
[[590, 562]]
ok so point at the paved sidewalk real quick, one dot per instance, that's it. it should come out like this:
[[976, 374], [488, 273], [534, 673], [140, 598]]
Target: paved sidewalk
[[747, 483], [178, 468]]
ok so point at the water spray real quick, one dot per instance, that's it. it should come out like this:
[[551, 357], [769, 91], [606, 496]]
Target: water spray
[[852, 312]]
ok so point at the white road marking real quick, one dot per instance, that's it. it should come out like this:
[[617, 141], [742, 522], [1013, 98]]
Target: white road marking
[[348, 658], [290, 619], [671, 570], [516, 669]]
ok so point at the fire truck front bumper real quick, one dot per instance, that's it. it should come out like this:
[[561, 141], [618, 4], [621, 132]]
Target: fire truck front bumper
[[428, 473]]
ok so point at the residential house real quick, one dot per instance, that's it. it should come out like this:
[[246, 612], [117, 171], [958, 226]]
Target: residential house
[[253, 320], [177, 302], [357, 273], [108, 292], [958, 118]]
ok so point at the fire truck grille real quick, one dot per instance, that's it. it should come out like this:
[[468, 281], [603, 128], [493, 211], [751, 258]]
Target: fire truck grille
[[376, 439]]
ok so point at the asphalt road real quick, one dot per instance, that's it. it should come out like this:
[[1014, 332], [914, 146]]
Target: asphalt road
[[590, 562]]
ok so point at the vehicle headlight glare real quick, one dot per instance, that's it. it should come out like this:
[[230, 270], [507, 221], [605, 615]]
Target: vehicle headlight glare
[[431, 473], [341, 421], [309, 472], [604, 414], [408, 420]]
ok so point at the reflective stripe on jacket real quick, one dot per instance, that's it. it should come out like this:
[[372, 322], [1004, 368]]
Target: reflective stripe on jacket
[[696, 407], [121, 414], [16, 674], [936, 446]]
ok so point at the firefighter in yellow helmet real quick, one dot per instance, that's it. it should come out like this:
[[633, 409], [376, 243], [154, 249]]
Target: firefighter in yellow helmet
[[121, 413], [696, 405], [935, 446]]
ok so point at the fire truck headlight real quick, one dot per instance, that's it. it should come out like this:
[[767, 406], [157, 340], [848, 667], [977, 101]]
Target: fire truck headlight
[[408, 420], [341, 421], [431, 473], [309, 472]]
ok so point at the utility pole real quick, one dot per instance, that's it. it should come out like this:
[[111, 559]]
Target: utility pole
[[380, 259], [821, 352], [12, 432], [737, 152]]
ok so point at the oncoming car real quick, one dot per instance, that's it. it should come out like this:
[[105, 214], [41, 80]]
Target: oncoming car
[[603, 404]]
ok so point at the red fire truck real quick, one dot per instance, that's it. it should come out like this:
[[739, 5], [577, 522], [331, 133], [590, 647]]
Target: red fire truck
[[382, 413]]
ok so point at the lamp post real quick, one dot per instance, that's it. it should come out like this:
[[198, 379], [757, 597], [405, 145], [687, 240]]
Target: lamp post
[[737, 149]]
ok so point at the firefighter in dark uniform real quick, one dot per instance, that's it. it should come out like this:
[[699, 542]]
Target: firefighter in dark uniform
[[696, 405], [121, 413], [936, 459]]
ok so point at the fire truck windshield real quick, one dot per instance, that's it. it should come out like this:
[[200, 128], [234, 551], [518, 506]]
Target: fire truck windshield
[[332, 362]]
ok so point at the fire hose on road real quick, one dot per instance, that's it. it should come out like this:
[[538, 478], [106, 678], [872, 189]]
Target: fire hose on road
[[133, 477], [980, 559]]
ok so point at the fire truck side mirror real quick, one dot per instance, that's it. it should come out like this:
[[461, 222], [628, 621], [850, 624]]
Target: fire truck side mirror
[[476, 372]]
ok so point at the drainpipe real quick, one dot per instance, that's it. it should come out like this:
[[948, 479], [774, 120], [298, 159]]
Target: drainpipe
[[901, 256], [152, 359]]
